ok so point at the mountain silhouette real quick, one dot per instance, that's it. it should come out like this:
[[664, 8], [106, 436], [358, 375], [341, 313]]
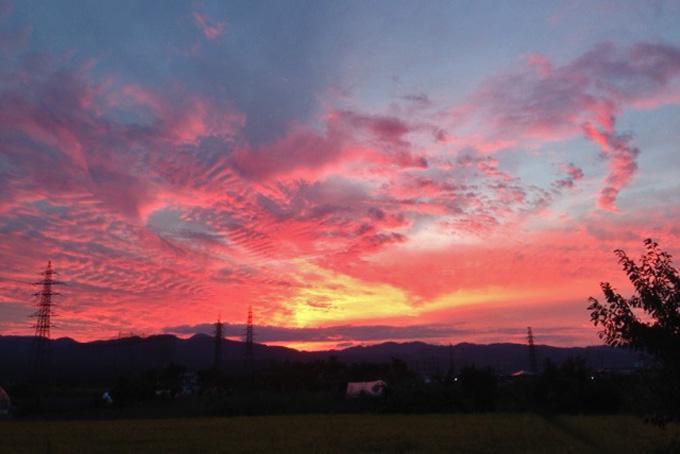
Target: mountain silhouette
[[104, 360]]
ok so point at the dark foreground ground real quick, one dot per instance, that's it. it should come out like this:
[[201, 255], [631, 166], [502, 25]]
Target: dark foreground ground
[[519, 433]]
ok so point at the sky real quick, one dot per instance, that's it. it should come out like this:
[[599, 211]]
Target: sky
[[357, 172]]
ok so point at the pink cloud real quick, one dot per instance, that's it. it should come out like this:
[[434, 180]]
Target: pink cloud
[[64, 131], [210, 28], [155, 208], [302, 151], [620, 160], [546, 102], [565, 262], [348, 140], [183, 119], [573, 174]]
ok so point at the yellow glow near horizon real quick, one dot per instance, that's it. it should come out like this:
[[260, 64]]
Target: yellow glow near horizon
[[334, 297], [471, 297], [328, 297]]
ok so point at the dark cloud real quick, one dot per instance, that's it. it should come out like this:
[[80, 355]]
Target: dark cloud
[[327, 334], [386, 129], [421, 99], [349, 335]]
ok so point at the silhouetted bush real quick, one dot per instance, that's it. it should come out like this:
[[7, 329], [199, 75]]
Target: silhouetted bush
[[479, 388]]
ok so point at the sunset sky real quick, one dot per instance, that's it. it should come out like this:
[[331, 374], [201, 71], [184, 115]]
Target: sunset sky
[[356, 171]]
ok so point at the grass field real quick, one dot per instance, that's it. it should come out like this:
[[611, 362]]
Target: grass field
[[343, 433]]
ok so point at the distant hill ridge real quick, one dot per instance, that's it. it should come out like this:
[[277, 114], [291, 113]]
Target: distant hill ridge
[[101, 360]]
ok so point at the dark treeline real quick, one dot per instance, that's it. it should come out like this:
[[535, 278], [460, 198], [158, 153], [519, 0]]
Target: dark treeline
[[570, 387]]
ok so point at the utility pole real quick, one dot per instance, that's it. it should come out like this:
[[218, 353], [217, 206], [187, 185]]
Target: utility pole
[[249, 352], [219, 336], [532, 351]]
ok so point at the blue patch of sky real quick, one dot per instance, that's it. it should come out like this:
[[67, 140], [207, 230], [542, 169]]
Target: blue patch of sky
[[169, 221], [656, 134], [276, 61]]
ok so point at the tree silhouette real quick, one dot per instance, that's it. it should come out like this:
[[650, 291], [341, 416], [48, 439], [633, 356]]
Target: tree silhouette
[[648, 321]]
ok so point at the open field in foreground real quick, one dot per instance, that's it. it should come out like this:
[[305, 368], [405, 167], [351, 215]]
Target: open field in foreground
[[344, 433]]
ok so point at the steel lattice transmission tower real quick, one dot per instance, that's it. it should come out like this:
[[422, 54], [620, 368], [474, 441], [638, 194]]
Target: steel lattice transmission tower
[[219, 336], [43, 316], [249, 338], [532, 351]]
